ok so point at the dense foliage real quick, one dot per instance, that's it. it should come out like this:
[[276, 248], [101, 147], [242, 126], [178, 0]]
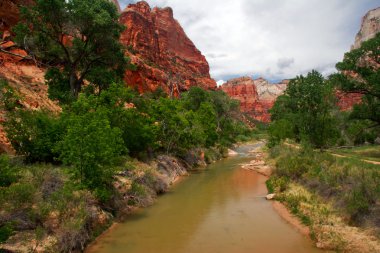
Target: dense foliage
[[69, 163], [95, 131], [78, 40], [305, 112], [360, 73], [351, 183]]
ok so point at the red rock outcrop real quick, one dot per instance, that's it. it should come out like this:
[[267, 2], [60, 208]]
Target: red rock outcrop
[[256, 96], [164, 55], [347, 100], [27, 80], [9, 12]]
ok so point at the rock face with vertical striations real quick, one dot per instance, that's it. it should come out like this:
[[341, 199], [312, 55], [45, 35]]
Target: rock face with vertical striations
[[165, 57], [369, 28], [256, 96]]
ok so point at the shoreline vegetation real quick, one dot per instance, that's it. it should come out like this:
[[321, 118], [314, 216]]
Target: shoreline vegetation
[[339, 206], [136, 187], [330, 216], [101, 157], [109, 149], [326, 172]]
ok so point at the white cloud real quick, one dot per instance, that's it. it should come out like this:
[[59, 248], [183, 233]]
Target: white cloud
[[220, 82], [275, 39]]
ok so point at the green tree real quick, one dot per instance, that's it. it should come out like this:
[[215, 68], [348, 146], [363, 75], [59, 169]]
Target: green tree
[[195, 97], [137, 128], [34, 134], [307, 104], [91, 146], [78, 39], [227, 117], [206, 116], [360, 73]]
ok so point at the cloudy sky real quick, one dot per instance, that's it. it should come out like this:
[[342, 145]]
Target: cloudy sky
[[275, 39]]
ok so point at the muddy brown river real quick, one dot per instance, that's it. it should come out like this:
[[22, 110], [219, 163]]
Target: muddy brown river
[[218, 210]]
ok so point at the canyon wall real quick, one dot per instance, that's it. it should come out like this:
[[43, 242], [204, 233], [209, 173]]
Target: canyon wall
[[165, 57], [256, 96], [370, 26]]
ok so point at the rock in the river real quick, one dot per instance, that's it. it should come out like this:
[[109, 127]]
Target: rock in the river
[[270, 196], [232, 152]]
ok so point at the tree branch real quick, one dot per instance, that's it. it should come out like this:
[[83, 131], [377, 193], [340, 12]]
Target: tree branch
[[27, 57]]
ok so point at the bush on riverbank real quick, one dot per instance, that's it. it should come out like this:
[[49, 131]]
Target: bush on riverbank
[[352, 185], [43, 208], [318, 188]]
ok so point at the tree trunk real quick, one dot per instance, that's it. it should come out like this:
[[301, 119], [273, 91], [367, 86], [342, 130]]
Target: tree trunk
[[73, 80], [75, 84]]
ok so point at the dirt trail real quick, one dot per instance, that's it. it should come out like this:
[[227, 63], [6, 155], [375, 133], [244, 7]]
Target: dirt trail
[[363, 160], [336, 155]]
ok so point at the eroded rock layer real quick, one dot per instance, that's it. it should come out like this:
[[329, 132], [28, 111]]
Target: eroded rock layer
[[165, 57], [256, 96], [27, 81]]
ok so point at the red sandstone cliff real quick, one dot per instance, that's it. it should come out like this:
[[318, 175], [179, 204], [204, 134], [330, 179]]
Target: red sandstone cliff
[[256, 96], [165, 57]]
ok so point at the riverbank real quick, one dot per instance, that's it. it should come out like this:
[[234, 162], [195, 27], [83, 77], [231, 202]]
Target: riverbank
[[72, 218], [219, 209], [320, 190]]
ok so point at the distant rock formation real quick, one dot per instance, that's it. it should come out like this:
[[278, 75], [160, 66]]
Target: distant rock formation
[[165, 57], [369, 28], [256, 96]]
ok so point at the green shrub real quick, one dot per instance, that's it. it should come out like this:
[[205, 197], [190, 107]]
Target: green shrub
[[9, 100], [353, 185], [92, 147], [34, 134], [5, 232], [277, 184], [358, 203], [19, 196], [8, 173], [137, 194]]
